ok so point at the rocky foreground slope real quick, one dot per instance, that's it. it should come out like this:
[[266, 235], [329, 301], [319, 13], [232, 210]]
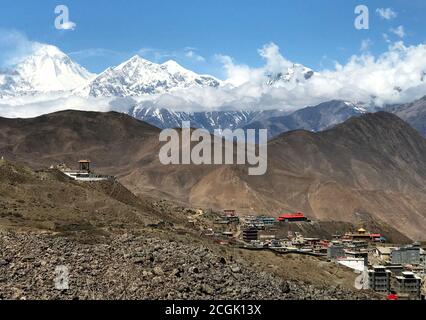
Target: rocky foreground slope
[[118, 246], [132, 266]]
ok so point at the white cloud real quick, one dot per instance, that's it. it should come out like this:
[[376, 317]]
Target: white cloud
[[399, 31], [14, 47], [392, 77], [366, 44], [274, 60], [386, 38], [94, 52], [160, 55], [386, 13], [396, 76], [191, 54], [29, 107], [157, 55]]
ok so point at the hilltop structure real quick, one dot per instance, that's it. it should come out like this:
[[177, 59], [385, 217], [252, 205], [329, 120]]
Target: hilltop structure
[[84, 172]]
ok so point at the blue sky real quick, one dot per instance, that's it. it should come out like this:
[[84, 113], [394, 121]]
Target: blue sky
[[312, 32]]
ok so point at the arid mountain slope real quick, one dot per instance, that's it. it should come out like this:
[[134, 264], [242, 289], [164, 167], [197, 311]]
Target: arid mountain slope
[[369, 168], [51, 201], [113, 141], [414, 113]]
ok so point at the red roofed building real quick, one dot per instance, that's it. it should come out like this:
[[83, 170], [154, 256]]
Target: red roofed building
[[230, 213], [392, 296], [377, 237], [292, 217]]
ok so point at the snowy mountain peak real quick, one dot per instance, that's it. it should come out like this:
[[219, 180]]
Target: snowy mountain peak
[[294, 74], [174, 67], [358, 107], [136, 60], [47, 50], [138, 77], [172, 64], [168, 118], [47, 69]]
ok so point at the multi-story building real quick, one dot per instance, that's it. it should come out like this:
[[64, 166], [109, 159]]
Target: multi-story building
[[410, 284], [357, 255], [379, 279], [250, 234], [406, 255], [267, 221], [335, 251]]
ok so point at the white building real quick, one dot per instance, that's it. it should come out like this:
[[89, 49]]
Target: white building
[[356, 264], [84, 174]]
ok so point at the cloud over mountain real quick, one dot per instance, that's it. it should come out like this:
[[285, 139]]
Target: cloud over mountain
[[395, 76]]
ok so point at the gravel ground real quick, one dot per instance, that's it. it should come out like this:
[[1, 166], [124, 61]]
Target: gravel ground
[[138, 267]]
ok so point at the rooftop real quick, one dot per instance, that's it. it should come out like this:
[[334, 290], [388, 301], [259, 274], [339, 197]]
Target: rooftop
[[385, 250], [408, 275]]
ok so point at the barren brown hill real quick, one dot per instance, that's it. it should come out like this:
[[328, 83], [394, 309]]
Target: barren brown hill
[[114, 141], [369, 170], [48, 200]]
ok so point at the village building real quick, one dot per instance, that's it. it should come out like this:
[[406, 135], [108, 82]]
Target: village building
[[361, 234], [396, 269], [379, 279], [335, 251], [322, 247], [259, 222], [250, 234], [293, 217], [357, 264], [84, 172], [410, 284], [228, 234], [228, 217], [357, 245], [267, 221], [377, 237], [384, 253], [363, 255], [230, 212], [406, 255]]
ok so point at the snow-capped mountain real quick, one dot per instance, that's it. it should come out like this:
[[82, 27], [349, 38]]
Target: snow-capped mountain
[[160, 117], [295, 74], [214, 120], [137, 77], [11, 84], [50, 72], [316, 118], [414, 113], [47, 69]]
